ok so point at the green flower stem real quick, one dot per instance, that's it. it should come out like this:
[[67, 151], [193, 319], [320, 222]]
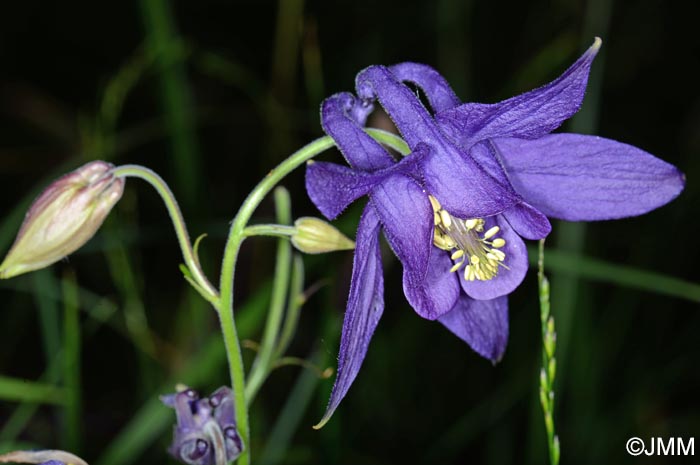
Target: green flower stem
[[276, 230], [549, 363], [71, 362], [237, 235], [390, 140], [233, 245], [188, 254], [265, 358]]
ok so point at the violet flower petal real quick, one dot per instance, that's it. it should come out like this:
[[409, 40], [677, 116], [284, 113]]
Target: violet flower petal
[[406, 111], [529, 115], [359, 149], [461, 185], [527, 221], [483, 324], [407, 219], [333, 187], [463, 188], [221, 401], [507, 279], [582, 178], [436, 88], [185, 403], [524, 218], [364, 309]]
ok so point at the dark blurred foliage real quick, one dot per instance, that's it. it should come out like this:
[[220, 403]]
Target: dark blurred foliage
[[215, 93]]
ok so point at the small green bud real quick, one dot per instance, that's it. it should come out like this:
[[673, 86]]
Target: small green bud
[[313, 236], [552, 369], [63, 218]]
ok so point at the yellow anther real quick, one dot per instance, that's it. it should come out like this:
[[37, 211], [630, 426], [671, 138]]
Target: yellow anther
[[498, 242], [439, 239], [469, 273], [491, 232], [445, 218], [467, 242]]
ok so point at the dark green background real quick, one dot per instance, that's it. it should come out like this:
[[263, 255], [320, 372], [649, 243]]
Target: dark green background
[[215, 93]]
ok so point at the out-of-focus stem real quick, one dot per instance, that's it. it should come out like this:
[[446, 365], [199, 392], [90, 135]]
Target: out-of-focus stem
[[263, 362], [71, 362]]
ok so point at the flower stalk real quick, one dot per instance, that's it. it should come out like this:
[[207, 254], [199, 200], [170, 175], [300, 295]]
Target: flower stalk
[[233, 245], [236, 236], [189, 255]]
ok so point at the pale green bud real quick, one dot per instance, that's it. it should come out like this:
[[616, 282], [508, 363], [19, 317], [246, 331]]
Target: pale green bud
[[63, 218], [314, 236]]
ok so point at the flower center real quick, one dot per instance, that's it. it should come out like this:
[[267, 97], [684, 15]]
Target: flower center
[[478, 250]]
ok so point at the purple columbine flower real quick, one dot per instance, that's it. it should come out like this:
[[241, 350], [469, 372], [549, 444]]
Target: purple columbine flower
[[205, 433], [479, 176]]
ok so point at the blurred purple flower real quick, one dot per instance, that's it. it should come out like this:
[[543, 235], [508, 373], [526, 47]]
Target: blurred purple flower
[[479, 176], [205, 433], [42, 457]]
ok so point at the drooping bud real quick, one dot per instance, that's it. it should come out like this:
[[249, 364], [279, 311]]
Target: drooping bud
[[314, 236], [63, 218]]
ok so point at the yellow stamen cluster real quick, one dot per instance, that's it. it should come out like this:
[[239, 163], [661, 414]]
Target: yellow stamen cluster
[[478, 249]]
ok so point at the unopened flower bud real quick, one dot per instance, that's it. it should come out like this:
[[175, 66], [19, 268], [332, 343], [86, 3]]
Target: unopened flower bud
[[314, 236], [63, 218]]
